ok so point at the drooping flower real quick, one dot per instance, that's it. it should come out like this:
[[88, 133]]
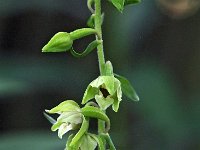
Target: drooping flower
[[106, 90], [70, 117]]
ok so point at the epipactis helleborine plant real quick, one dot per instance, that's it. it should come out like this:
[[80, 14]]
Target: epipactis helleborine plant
[[104, 91]]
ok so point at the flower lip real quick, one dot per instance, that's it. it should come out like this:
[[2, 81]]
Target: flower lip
[[104, 92]]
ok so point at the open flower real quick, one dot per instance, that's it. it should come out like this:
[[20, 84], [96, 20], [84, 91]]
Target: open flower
[[106, 90], [70, 117]]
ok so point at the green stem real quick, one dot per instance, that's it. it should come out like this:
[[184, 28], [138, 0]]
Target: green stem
[[98, 22], [100, 52]]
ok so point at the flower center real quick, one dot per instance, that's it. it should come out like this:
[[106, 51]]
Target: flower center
[[104, 92]]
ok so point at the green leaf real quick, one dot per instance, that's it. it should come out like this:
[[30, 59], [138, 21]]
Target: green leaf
[[128, 2], [68, 105], [60, 42], [127, 88], [81, 132], [94, 112], [89, 49], [119, 4]]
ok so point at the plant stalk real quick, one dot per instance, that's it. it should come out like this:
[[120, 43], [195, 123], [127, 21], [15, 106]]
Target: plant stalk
[[98, 22], [100, 52]]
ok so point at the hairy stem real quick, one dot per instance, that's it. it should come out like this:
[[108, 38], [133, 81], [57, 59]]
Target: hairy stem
[[100, 52], [98, 22]]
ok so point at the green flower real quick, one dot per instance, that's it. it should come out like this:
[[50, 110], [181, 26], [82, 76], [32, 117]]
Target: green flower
[[70, 117], [88, 141], [106, 90]]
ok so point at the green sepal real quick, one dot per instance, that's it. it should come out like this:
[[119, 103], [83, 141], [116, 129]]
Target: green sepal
[[94, 112], [60, 42], [127, 88], [90, 22], [108, 69], [89, 49], [49, 118], [128, 2], [68, 147], [81, 132], [88, 142], [80, 33], [56, 126], [99, 141], [109, 140], [74, 147], [68, 105]]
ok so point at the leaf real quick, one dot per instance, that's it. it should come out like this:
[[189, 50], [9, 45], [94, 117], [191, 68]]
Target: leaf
[[127, 88], [128, 2], [119, 4], [60, 42], [94, 112], [81, 132], [88, 49]]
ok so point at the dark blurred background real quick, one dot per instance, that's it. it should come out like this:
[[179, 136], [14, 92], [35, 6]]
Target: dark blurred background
[[155, 44]]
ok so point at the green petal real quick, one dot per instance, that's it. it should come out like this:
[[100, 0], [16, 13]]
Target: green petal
[[89, 94], [108, 69], [97, 82], [99, 141], [81, 132], [103, 103], [94, 112], [68, 105], [71, 117], [64, 128], [56, 126], [88, 143], [115, 105], [109, 83]]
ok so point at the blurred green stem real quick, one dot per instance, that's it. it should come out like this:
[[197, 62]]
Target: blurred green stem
[[100, 52]]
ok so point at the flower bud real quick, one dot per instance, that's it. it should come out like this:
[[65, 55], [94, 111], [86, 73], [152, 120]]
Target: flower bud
[[60, 42]]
